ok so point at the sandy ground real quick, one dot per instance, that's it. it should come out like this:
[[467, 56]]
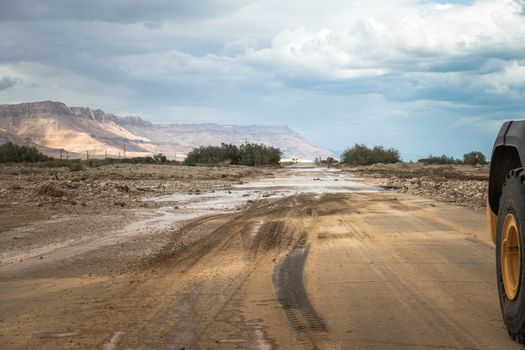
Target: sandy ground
[[303, 258]]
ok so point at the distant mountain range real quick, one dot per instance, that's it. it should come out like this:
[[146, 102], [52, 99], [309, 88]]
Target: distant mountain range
[[54, 127]]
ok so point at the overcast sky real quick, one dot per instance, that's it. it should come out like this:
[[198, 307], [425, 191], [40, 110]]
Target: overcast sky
[[421, 76]]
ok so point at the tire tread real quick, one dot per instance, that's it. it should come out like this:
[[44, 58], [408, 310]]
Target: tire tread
[[514, 180]]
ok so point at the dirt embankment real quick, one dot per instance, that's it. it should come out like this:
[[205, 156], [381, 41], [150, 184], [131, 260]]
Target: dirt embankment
[[461, 184], [50, 191]]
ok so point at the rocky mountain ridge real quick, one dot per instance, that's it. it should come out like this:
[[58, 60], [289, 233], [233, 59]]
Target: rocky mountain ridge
[[84, 132]]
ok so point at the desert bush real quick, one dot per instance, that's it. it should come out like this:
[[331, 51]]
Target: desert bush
[[156, 159], [329, 161], [362, 155], [443, 159], [246, 154], [160, 158], [71, 164], [50, 191], [75, 166], [12, 153], [474, 158]]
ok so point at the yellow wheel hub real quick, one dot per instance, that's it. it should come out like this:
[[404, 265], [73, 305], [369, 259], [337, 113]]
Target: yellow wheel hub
[[510, 257]]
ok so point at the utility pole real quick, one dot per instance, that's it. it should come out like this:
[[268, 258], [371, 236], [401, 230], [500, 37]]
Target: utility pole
[[106, 154], [87, 155], [124, 151], [67, 155]]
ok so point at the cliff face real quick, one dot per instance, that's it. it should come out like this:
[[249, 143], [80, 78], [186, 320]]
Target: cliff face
[[31, 109], [53, 125], [76, 130]]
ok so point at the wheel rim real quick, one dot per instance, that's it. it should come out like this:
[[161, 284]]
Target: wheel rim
[[511, 257]]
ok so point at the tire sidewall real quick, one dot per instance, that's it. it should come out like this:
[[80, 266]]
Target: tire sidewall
[[512, 202]]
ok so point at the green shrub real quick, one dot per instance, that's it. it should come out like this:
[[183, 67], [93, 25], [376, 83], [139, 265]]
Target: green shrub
[[253, 154], [443, 159], [12, 153], [58, 163], [157, 158], [75, 166], [78, 165], [247, 154], [160, 158], [474, 157], [362, 155]]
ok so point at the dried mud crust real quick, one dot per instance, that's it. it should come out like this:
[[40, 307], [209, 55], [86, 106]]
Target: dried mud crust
[[460, 184]]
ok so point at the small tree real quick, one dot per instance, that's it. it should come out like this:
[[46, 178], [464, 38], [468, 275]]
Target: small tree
[[362, 155], [474, 157]]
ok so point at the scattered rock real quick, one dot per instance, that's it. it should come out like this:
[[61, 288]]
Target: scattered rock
[[123, 188], [468, 192], [112, 186]]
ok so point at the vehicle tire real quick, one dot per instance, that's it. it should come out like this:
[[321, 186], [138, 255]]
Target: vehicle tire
[[509, 254]]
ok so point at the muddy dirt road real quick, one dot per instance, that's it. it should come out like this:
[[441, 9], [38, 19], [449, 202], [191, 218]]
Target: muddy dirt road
[[307, 259]]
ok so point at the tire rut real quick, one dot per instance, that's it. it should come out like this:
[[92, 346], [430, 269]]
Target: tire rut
[[291, 293]]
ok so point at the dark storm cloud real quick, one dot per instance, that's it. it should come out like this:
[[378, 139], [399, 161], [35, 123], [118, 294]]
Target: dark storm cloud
[[6, 83], [121, 11]]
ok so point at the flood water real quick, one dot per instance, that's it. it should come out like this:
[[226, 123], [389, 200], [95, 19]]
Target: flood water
[[297, 180]]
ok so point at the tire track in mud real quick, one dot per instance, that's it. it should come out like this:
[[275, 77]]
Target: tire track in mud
[[177, 251], [293, 297], [218, 235], [188, 254], [274, 236], [276, 233], [181, 280]]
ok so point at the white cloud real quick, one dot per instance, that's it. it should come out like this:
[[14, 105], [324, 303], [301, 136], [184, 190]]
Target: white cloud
[[431, 37], [511, 80], [374, 46], [271, 60]]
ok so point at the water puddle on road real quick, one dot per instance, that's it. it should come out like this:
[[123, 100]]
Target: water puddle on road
[[296, 180]]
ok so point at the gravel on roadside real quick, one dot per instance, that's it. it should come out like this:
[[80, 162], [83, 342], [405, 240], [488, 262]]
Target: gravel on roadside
[[111, 186], [461, 184]]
